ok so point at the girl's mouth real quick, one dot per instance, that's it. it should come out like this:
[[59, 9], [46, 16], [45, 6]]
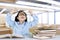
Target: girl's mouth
[[22, 17]]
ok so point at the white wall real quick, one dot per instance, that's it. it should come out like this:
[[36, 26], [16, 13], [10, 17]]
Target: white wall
[[51, 17], [57, 17], [46, 18]]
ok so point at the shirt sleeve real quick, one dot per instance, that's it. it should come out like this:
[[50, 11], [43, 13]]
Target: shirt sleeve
[[8, 20], [35, 20]]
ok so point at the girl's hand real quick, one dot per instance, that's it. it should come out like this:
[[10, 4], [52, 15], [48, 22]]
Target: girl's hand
[[12, 11], [30, 11]]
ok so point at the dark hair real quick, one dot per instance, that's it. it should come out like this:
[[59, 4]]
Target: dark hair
[[18, 14]]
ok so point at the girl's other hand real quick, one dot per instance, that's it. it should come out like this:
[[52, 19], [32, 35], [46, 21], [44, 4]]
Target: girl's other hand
[[12, 11], [30, 11]]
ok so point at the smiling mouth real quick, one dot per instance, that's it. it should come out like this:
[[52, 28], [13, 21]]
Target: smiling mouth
[[22, 17]]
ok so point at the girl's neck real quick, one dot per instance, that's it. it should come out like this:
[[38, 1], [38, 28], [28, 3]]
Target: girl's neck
[[21, 22]]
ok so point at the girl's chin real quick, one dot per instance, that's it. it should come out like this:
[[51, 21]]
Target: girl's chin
[[22, 20]]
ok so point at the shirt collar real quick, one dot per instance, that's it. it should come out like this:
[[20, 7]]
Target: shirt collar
[[22, 23]]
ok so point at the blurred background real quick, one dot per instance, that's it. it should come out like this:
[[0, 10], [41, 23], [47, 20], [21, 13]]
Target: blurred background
[[48, 11]]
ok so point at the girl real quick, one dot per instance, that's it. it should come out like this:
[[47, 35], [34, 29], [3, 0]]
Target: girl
[[20, 26]]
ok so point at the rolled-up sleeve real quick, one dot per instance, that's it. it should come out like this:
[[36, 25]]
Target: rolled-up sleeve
[[8, 20]]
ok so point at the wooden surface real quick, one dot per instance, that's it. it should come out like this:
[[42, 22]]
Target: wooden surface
[[9, 1], [58, 29]]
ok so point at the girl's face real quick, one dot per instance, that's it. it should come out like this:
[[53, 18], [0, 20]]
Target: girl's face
[[21, 17]]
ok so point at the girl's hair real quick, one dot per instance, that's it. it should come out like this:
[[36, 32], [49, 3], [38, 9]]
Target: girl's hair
[[18, 15]]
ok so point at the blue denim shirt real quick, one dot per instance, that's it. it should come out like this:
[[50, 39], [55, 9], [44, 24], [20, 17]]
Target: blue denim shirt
[[21, 29]]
